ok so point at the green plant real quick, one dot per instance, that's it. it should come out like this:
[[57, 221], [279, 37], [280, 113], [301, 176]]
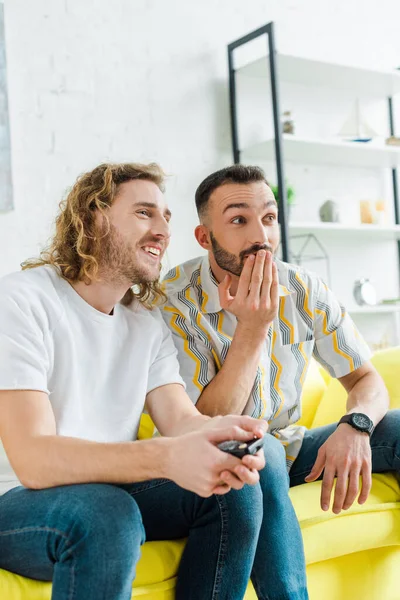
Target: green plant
[[289, 192]]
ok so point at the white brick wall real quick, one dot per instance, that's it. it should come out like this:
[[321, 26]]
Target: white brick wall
[[147, 80]]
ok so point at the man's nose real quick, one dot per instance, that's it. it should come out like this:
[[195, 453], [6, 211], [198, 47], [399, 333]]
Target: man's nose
[[259, 235], [161, 229]]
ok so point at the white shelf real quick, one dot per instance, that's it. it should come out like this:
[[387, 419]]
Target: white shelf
[[304, 71], [381, 232], [378, 309], [323, 152]]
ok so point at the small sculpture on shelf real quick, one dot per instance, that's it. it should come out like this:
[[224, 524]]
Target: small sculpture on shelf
[[287, 122], [373, 212], [329, 212], [355, 128], [393, 140]]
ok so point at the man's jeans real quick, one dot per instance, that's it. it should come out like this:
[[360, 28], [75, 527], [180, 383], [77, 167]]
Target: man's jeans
[[87, 538]]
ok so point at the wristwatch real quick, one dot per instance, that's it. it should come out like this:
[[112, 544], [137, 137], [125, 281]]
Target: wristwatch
[[358, 421]]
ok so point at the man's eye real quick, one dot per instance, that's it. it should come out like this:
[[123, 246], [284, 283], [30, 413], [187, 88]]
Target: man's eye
[[238, 221], [271, 218], [144, 212]]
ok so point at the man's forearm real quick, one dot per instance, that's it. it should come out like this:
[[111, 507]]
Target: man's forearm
[[230, 389], [57, 460], [369, 396], [189, 424]]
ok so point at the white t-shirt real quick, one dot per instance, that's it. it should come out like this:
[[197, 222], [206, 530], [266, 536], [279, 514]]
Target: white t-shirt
[[96, 368]]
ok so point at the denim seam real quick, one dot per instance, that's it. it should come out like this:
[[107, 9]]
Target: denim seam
[[222, 547], [37, 530], [72, 586]]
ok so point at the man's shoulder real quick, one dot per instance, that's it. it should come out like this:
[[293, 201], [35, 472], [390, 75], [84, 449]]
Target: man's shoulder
[[31, 290], [182, 276], [296, 278]]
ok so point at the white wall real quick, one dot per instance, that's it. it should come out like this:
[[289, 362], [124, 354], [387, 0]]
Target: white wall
[[145, 80]]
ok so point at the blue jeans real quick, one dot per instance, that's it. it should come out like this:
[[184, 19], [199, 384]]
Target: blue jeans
[[279, 567], [86, 538]]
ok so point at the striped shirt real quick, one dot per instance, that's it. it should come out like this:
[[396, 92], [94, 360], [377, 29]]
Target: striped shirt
[[310, 322]]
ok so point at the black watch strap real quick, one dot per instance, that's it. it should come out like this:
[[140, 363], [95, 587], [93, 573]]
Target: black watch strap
[[358, 421]]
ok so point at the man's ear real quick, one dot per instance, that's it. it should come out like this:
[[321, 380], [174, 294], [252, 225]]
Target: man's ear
[[202, 235]]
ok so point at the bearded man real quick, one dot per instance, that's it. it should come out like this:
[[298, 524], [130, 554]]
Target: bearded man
[[246, 326]]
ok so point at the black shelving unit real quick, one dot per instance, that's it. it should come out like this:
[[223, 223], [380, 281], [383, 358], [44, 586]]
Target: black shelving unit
[[268, 31]]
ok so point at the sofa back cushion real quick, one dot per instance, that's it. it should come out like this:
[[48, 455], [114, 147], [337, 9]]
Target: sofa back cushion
[[333, 404], [313, 390]]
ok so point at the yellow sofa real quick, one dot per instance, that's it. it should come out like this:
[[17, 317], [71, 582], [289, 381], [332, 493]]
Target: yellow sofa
[[351, 556]]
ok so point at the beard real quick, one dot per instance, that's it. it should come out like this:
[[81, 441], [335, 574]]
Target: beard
[[230, 262], [117, 261]]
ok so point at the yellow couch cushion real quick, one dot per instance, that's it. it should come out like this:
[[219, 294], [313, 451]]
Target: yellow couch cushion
[[313, 389], [333, 403]]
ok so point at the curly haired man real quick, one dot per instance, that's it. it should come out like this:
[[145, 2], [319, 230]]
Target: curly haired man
[[80, 355]]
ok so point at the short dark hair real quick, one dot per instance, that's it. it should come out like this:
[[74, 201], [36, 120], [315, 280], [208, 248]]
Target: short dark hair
[[234, 174]]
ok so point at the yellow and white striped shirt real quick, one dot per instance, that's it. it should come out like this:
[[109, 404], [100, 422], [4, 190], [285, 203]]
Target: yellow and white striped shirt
[[311, 322]]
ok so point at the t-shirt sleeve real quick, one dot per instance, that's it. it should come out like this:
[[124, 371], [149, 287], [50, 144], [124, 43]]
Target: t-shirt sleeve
[[24, 360], [339, 346], [165, 367], [196, 361]]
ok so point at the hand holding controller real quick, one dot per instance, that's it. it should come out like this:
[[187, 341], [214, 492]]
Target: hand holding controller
[[240, 449]]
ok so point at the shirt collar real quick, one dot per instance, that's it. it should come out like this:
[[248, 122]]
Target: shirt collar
[[209, 285]]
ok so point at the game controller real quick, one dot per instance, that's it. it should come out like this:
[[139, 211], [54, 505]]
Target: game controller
[[240, 449]]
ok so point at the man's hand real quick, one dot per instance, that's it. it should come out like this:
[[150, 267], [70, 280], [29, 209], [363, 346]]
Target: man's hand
[[195, 463], [257, 299], [346, 455], [258, 427]]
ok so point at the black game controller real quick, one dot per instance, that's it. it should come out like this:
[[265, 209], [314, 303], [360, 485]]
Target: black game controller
[[240, 449]]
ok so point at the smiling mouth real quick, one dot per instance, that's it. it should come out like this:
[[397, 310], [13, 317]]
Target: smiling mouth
[[152, 251]]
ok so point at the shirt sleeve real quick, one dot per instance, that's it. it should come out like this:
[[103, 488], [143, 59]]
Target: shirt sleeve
[[24, 360], [165, 367], [196, 361], [339, 347]]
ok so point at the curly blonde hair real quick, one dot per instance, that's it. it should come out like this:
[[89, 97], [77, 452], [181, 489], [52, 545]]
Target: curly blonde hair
[[74, 249]]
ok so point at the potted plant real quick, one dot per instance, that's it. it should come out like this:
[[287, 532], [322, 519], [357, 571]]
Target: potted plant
[[289, 193]]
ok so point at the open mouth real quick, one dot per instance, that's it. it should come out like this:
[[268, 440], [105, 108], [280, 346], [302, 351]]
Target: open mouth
[[152, 251]]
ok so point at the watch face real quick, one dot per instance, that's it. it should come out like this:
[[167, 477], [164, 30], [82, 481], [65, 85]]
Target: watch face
[[361, 421]]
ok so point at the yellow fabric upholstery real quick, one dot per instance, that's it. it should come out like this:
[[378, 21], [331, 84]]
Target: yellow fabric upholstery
[[351, 556], [333, 403], [313, 389]]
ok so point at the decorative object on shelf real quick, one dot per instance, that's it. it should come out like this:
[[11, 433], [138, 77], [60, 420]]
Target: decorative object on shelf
[[366, 211], [355, 128], [329, 212], [380, 212], [373, 213], [287, 122], [364, 292], [305, 249], [393, 140]]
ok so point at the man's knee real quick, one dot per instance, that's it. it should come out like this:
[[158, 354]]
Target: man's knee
[[243, 508], [275, 473], [390, 425], [104, 516]]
